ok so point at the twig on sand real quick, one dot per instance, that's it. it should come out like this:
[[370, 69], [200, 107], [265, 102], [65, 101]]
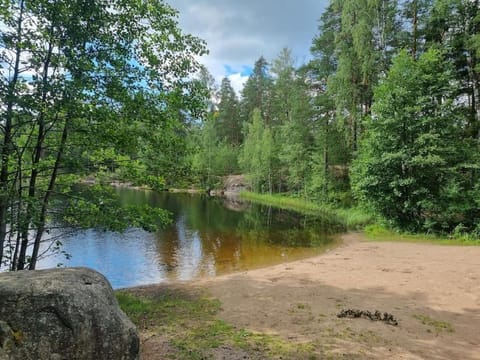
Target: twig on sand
[[366, 314]]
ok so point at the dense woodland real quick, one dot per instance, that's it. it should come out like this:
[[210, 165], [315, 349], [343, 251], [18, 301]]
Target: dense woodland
[[386, 115]]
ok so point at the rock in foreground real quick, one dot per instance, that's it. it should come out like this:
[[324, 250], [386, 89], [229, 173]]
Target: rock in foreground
[[63, 314]]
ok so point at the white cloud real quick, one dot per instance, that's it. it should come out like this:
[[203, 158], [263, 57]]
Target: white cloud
[[238, 81], [239, 32]]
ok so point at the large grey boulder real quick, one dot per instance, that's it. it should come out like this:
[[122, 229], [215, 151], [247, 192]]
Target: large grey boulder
[[69, 314]]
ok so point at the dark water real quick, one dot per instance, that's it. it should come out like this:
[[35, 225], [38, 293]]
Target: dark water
[[208, 237]]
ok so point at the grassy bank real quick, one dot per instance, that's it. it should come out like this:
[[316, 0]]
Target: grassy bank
[[352, 218], [376, 232], [356, 219], [181, 325]]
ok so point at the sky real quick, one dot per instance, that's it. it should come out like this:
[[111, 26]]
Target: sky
[[238, 32]]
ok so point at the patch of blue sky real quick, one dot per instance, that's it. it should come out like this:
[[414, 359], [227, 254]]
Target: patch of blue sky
[[243, 70]]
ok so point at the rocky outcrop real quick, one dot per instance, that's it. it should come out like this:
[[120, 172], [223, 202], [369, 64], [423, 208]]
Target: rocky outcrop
[[63, 314], [234, 184]]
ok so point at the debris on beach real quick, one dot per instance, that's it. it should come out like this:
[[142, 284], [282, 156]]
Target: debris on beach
[[366, 314]]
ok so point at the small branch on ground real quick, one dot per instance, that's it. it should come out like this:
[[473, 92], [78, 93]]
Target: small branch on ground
[[366, 314]]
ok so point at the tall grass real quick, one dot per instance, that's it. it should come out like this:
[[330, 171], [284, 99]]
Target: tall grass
[[352, 218]]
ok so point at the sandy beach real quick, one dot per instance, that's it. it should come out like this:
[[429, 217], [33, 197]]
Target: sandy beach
[[433, 291]]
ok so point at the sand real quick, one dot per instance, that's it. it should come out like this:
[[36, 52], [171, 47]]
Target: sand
[[433, 291]]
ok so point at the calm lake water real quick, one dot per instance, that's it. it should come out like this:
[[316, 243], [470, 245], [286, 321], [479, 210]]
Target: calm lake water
[[208, 237]]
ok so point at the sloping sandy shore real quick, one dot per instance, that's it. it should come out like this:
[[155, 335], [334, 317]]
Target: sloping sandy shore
[[433, 291]]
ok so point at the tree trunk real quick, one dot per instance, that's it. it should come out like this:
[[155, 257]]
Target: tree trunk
[[476, 104], [7, 137], [325, 160], [355, 134], [36, 156], [475, 81], [415, 30], [19, 180], [46, 198]]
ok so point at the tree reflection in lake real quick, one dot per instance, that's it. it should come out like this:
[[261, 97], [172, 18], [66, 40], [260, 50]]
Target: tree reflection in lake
[[206, 238]]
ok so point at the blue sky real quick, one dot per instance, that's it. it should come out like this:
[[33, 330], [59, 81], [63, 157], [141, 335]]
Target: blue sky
[[244, 70], [239, 32]]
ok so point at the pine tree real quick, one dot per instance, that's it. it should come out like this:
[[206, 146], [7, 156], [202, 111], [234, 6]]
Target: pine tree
[[454, 27], [228, 125], [363, 46], [415, 17], [256, 92], [319, 71]]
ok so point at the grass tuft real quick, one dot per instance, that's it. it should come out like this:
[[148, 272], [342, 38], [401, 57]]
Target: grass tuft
[[437, 325], [188, 324]]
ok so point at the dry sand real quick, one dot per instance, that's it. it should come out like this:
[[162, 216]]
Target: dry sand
[[433, 291]]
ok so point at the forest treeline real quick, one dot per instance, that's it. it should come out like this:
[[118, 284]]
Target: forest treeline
[[385, 116]]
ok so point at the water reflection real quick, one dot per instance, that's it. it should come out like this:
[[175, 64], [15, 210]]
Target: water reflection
[[126, 259], [207, 238]]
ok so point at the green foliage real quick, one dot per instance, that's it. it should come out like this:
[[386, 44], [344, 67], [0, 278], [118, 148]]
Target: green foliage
[[380, 232], [416, 15], [293, 119], [155, 182], [228, 124], [205, 154], [88, 88], [99, 207], [330, 146], [257, 153], [213, 158], [214, 141], [256, 93], [115, 92], [357, 64], [410, 168]]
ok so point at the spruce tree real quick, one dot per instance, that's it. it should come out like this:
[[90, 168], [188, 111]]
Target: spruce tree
[[411, 169], [228, 124]]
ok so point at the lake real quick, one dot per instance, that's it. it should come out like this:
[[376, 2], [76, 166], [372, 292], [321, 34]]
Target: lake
[[208, 237]]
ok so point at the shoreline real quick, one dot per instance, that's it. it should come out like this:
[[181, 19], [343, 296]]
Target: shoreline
[[433, 291]]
